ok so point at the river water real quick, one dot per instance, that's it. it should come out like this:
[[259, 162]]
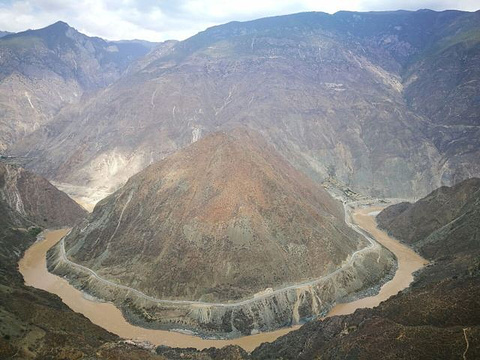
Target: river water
[[33, 268], [408, 262]]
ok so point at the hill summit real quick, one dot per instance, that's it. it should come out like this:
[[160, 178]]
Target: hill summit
[[220, 220]]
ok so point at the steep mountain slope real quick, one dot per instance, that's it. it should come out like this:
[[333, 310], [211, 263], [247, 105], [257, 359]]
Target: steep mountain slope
[[43, 70], [224, 219], [205, 222], [438, 317], [35, 324], [442, 85], [35, 199], [441, 82], [434, 224], [335, 94]]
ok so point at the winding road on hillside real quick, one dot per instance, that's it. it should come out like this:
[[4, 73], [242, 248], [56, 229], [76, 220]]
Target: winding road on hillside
[[301, 285], [33, 268]]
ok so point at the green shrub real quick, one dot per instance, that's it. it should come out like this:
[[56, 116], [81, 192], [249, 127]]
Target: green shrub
[[34, 231]]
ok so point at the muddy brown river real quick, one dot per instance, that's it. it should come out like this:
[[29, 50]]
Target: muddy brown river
[[34, 270]]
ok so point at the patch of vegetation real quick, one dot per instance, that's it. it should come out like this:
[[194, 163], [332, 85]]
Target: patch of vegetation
[[34, 231]]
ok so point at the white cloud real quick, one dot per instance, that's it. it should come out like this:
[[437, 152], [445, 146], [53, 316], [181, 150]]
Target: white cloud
[[158, 20]]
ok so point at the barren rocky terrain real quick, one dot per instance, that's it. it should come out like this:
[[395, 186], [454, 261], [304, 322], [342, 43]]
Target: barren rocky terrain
[[212, 153], [224, 222], [43, 70], [335, 94], [436, 318], [34, 198]]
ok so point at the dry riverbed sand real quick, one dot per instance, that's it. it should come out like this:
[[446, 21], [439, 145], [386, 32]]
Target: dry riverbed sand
[[34, 270]]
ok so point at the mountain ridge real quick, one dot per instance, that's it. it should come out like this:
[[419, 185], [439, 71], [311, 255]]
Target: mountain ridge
[[452, 214], [43, 70], [321, 94]]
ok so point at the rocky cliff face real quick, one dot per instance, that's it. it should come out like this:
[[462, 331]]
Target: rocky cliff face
[[33, 198], [336, 94], [43, 70], [226, 220]]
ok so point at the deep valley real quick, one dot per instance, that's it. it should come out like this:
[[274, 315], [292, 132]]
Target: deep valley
[[303, 186]]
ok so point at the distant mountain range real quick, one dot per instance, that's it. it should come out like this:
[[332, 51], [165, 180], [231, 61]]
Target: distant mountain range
[[385, 102], [215, 150], [43, 70]]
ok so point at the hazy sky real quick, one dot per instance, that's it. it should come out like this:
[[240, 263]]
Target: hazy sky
[[158, 20]]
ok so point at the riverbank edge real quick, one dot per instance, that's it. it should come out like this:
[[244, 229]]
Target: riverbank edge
[[293, 306]]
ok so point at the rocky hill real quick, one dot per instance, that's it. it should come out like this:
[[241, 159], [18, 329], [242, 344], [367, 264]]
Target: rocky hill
[[221, 204], [43, 70], [434, 224], [223, 220], [339, 95], [34, 198]]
